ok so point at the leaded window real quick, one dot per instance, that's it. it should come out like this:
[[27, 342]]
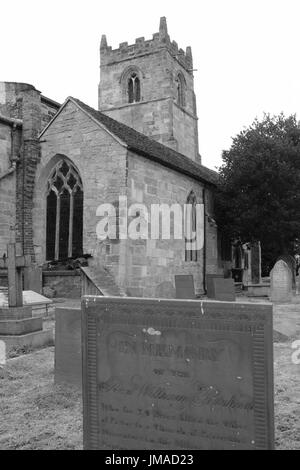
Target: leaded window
[[64, 213]]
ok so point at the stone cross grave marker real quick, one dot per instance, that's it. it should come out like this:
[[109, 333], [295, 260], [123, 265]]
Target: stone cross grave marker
[[14, 264], [281, 282]]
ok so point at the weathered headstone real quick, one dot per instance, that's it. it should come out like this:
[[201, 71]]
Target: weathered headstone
[[184, 284], [68, 352], [210, 286], [223, 289], [174, 374], [281, 282], [255, 263], [291, 262]]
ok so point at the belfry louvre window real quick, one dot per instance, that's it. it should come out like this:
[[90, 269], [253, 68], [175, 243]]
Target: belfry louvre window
[[64, 213], [134, 88], [191, 253], [180, 90]]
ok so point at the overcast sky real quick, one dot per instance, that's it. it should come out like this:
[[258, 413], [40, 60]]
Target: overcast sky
[[246, 52]]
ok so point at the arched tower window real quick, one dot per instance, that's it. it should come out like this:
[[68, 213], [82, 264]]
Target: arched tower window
[[134, 88], [180, 90], [64, 212], [191, 252]]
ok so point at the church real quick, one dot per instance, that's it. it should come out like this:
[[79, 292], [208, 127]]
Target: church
[[60, 163]]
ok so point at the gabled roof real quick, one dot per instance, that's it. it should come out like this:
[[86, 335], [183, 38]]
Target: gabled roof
[[146, 147]]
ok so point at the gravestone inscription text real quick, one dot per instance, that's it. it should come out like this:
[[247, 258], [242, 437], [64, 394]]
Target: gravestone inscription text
[[173, 374]]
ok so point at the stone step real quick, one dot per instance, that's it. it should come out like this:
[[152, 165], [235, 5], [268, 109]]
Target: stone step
[[103, 281]]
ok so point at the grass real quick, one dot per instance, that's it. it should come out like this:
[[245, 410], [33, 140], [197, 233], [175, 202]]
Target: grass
[[36, 414]]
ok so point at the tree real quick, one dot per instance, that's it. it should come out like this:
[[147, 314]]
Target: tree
[[259, 187]]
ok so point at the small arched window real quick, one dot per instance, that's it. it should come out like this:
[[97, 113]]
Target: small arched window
[[134, 88], [64, 212], [191, 252], [180, 90]]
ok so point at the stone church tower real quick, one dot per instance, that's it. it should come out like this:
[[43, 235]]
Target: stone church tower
[[149, 86]]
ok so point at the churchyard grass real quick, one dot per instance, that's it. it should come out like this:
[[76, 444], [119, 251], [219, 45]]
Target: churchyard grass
[[36, 414]]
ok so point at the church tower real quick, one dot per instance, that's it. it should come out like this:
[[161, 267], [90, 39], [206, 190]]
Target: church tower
[[149, 86]]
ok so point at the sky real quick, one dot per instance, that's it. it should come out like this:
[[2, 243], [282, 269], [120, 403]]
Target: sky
[[246, 53]]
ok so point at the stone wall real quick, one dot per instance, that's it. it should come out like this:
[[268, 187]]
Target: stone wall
[[66, 284], [28, 112], [101, 163], [157, 62], [7, 185], [152, 264]]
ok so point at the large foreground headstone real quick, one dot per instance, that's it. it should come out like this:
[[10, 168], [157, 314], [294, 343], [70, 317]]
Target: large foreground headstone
[[281, 282], [174, 374]]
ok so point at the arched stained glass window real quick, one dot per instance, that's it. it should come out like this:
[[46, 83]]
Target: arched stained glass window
[[64, 212]]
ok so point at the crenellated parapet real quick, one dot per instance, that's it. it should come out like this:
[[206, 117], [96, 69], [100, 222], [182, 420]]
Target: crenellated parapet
[[159, 41]]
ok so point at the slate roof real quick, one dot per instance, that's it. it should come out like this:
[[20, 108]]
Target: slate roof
[[150, 148]]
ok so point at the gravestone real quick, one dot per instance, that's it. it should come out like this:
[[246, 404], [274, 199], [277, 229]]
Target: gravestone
[[40, 304], [255, 263], [68, 352], [210, 286], [281, 282], [222, 289], [18, 327], [291, 262], [175, 374], [184, 284]]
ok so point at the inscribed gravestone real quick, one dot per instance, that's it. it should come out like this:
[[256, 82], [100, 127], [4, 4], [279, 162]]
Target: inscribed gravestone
[[184, 284], [281, 282], [174, 374], [68, 352]]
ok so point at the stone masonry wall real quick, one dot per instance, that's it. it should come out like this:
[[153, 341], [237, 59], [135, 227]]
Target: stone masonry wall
[[152, 264], [101, 162], [23, 102], [7, 187], [157, 63]]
